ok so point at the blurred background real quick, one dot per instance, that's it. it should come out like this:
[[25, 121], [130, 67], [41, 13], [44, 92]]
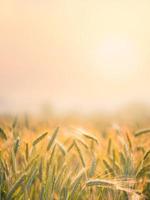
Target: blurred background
[[74, 56]]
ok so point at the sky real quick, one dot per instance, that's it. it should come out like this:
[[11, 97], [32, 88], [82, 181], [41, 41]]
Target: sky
[[84, 55]]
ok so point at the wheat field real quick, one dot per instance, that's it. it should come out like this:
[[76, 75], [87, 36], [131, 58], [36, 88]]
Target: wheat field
[[45, 160]]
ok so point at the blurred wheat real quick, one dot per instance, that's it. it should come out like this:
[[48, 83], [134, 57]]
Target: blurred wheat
[[78, 165]]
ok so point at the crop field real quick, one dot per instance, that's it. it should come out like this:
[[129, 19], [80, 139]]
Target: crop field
[[48, 160]]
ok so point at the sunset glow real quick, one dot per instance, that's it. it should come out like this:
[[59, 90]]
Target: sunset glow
[[62, 51]]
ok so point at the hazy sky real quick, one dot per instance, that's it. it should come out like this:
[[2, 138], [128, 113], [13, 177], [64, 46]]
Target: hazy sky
[[74, 54]]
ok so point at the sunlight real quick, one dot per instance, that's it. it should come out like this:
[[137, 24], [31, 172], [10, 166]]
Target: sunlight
[[116, 58]]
